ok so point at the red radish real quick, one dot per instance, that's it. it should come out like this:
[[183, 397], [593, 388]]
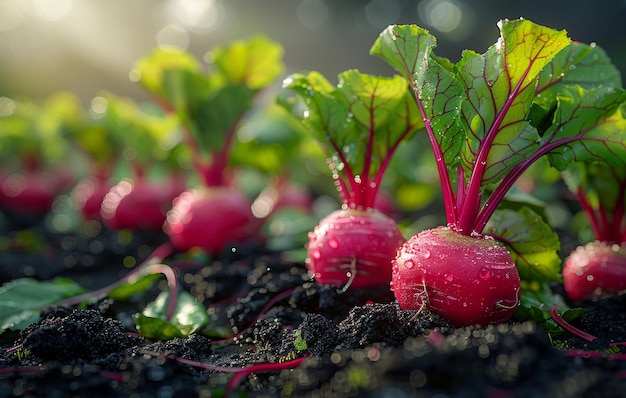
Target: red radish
[[478, 115], [354, 245], [138, 206], [210, 219], [88, 195], [31, 193], [211, 107], [595, 270], [360, 124], [427, 270], [598, 268]]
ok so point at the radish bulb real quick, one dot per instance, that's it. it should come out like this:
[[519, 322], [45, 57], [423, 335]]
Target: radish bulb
[[598, 269], [359, 123], [210, 219], [488, 118], [472, 279], [595, 270], [349, 240], [138, 205]]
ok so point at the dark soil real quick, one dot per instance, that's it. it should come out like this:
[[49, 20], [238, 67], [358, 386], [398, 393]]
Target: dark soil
[[358, 343]]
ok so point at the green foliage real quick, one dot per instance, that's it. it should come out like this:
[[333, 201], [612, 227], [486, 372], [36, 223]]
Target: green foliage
[[489, 123], [189, 317], [210, 104], [360, 123], [531, 242], [22, 300], [35, 135], [145, 135]]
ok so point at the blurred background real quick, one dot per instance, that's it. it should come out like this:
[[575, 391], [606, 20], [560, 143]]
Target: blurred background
[[85, 46]]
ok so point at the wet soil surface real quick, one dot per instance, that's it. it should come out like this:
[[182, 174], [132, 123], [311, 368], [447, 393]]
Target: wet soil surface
[[292, 336]]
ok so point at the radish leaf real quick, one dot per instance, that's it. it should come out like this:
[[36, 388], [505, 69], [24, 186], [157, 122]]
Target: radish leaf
[[504, 124], [189, 317], [22, 300], [578, 64], [211, 104], [531, 242], [360, 123]]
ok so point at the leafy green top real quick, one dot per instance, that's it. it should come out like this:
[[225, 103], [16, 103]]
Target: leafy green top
[[211, 105], [488, 118], [360, 123]]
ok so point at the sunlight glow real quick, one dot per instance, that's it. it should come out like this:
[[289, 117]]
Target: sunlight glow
[[52, 10]]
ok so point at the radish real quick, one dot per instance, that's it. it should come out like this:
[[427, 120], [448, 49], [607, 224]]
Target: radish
[[28, 193], [230, 220], [598, 268], [148, 138], [138, 205], [211, 107], [488, 118], [33, 152], [360, 124]]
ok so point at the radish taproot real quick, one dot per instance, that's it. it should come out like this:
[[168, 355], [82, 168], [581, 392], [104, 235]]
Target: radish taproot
[[211, 107], [360, 124], [488, 118], [598, 268]]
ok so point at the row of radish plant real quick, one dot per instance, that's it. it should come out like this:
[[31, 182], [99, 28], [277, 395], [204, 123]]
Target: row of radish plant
[[479, 125]]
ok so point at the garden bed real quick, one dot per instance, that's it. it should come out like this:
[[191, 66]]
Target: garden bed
[[296, 338]]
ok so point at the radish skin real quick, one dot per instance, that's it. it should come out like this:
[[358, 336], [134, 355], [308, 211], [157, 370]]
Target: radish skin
[[30, 193], [138, 206], [210, 218], [595, 270], [354, 248], [467, 279], [88, 196]]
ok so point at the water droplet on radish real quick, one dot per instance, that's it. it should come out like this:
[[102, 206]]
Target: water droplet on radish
[[426, 253], [409, 264], [590, 278], [484, 273], [316, 254], [333, 244], [449, 277]]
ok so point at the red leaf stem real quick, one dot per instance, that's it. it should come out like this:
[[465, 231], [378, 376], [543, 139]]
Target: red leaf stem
[[159, 254], [569, 327]]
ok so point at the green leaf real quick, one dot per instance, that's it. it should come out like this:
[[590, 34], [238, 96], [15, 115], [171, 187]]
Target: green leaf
[[255, 62], [578, 64], [589, 126], [22, 300], [409, 49], [149, 71], [532, 243], [189, 317], [145, 134], [360, 123], [135, 285], [536, 300], [499, 87]]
